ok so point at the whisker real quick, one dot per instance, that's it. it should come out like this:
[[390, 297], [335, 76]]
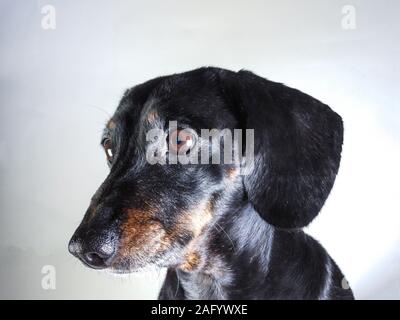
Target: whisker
[[100, 109], [177, 286], [222, 229]]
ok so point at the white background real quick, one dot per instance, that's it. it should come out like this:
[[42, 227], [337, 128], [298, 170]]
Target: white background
[[57, 86]]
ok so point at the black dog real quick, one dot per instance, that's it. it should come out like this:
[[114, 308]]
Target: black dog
[[221, 234]]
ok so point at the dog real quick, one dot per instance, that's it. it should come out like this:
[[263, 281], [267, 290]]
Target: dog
[[221, 233]]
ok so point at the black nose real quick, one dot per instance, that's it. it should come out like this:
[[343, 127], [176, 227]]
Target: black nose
[[96, 252], [95, 260]]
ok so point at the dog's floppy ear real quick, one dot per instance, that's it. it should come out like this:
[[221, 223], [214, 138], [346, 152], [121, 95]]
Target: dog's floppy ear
[[297, 147]]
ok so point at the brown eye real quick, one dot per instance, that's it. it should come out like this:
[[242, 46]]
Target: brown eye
[[181, 141], [107, 145]]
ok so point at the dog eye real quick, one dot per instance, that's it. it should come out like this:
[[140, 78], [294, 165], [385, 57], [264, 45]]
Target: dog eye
[[107, 145], [181, 141]]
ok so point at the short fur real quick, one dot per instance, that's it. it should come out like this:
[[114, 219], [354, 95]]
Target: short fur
[[221, 235]]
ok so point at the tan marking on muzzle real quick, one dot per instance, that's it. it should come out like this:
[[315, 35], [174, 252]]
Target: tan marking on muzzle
[[198, 220], [141, 235], [200, 217]]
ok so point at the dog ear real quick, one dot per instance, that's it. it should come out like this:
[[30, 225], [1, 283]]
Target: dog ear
[[297, 147]]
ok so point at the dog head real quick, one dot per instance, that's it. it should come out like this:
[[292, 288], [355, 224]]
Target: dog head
[[151, 208]]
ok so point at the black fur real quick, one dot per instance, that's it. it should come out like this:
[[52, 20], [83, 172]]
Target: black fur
[[252, 247]]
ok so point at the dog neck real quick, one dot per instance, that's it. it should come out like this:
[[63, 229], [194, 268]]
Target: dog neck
[[232, 245]]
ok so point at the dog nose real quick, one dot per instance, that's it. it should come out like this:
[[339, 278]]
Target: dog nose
[[95, 260], [74, 246], [96, 253]]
